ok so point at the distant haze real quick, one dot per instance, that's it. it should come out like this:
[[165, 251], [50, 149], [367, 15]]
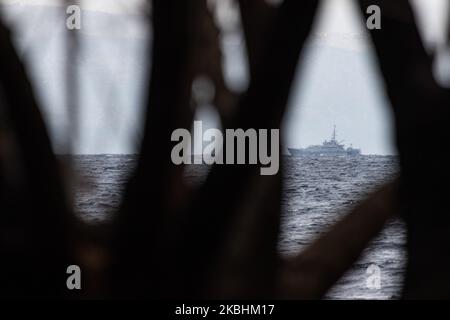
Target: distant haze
[[338, 81]]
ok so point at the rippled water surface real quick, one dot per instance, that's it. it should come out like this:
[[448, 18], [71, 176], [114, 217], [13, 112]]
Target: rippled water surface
[[317, 191]]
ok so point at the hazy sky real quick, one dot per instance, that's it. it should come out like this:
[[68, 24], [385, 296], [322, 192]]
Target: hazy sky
[[340, 84], [337, 82]]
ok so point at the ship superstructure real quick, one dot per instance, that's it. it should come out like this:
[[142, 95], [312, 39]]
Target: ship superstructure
[[328, 148]]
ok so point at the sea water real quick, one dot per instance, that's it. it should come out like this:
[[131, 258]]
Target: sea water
[[317, 193]]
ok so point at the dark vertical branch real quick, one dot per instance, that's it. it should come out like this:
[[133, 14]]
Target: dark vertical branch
[[246, 264], [41, 211], [203, 233], [421, 114], [155, 189], [257, 19]]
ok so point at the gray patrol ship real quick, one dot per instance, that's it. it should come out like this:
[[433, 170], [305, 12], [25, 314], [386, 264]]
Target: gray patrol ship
[[328, 148]]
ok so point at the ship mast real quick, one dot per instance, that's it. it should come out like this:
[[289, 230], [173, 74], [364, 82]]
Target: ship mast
[[333, 137]]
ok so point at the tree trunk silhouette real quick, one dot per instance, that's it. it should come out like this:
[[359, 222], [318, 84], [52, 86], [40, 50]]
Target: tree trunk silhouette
[[36, 215], [421, 112]]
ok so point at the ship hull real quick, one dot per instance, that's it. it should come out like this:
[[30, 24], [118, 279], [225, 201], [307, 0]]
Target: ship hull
[[321, 153], [330, 147]]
